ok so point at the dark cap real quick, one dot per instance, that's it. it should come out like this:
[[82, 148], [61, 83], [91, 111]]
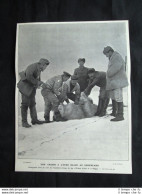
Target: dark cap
[[107, 49], [74, 77], [92, 70], [81, 59], [66, 74], [44, 60]]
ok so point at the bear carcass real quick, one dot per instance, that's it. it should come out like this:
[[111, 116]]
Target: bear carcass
[[85, 109]]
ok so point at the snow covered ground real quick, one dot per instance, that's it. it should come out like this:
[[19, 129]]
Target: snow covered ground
[[92, 138]]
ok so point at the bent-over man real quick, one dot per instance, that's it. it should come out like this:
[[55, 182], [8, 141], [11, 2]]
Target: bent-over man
[[71, 90], [52, 96], [30, 81], [116, 81], [98, 78]]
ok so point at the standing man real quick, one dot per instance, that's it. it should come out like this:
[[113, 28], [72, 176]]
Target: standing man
[[116, 81], [52, 96], [98, 78], [71, 90], [30, 81], [82, 74]]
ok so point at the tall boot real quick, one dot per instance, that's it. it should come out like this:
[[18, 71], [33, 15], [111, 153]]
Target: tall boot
[[104, 107], [100, 103], [24, 110], [33, 114], [57, 117], [119, 116], [114, 108], [47, 118]]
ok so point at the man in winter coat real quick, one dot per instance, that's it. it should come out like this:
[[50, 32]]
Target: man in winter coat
[[98, 78], [29, 82], [52, 96], [82, 74], [71, 90], [116, 81]]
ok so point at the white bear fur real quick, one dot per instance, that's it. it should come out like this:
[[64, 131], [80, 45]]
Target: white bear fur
[[85, 109]]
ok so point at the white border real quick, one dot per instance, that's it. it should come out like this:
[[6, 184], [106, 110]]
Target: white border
[[127, 166]]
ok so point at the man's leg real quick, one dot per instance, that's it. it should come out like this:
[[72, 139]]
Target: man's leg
[[47, 109], [33, 112], [114, 108], [54, 102], [47, 104], [100, 102], [114, 103], [119, 100], [104, 101], [24, 110], [57, 115]]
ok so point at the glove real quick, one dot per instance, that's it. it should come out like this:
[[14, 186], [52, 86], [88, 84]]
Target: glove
[[87, 91]]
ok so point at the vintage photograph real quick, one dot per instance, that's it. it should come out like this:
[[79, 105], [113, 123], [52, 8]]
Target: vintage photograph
[[73, 97]]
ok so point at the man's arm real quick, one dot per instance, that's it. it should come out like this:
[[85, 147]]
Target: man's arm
[[57, 86], [91, 84], [77, 94], [29, 76], [75, 72], [64, 91]]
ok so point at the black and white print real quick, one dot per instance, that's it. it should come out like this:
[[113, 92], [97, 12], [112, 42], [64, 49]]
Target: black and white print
[[73, 97]]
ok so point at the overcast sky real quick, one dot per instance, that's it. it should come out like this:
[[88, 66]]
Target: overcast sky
[[63, 44]]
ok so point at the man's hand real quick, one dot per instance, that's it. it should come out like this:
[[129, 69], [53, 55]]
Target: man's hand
[[86, 92], [40, 83], [67, 101], [43, 85]]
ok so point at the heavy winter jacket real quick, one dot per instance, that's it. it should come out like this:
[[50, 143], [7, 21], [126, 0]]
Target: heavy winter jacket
[[82, 74], [30, 79], [54, 84], [66, 89], [116, 75]]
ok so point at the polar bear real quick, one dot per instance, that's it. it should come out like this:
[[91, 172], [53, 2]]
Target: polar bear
[[85, 109]]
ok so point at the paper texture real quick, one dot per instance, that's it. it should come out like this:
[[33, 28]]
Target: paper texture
[[90, 145]]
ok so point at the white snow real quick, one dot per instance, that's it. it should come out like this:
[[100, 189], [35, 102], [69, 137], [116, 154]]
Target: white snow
[[91, 138]]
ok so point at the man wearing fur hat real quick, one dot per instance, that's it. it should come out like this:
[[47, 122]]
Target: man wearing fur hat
[[82, 74], [53, 96], [29, 82], [116, 81]]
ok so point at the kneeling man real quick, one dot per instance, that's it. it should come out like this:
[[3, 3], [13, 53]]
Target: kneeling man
[[116, 81], [52, 96], [97, 78], [71, 90]]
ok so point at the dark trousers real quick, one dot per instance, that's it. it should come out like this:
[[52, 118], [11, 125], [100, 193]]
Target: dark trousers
[[28, 101], [103, 93], [71, 96], [51, 101]]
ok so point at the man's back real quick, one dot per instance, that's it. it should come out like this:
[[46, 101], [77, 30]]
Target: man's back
[[82, 74], [99, 79], [54, 83]]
